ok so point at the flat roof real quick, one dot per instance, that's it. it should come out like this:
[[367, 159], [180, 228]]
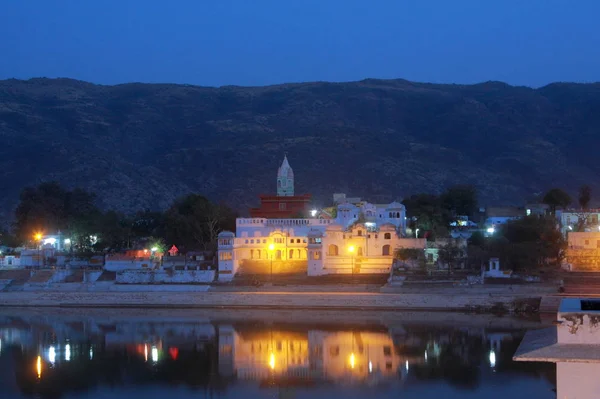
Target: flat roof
[[541, 346]]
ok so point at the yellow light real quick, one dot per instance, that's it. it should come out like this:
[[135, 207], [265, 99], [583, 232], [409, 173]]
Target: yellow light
[[271, 247], [38, 236], [351, 248], [352, 360], [38, 366], [272, 361]]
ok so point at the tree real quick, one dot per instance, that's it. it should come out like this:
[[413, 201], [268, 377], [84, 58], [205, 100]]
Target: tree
[[426, 213], [585, 196], [194, 222], [557, 198], [49, 208], [460, 200], [450, 254]]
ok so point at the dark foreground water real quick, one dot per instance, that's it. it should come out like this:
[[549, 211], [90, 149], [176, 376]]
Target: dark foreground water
[[224, 354]]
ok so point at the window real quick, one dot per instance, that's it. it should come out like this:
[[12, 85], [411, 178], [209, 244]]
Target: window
[[258, 253], [278, 254], [282, 206], [334, 351], [359, 252], [387, 351], [387, 236], [333, 250], [251, 241], [360, 233], [291, 254], [385, 250], [264, 241], [316, 255], [376, 236], [587, 242], [246, 241], [225, 255], [251, 254]]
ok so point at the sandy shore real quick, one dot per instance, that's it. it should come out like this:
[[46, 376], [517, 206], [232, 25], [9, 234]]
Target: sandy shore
[[271, 300]]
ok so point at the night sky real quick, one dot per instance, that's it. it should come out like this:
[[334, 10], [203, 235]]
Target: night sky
[[259, 42]]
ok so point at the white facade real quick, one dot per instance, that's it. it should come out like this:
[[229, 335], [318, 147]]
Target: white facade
[[366, 239], [569, 219]]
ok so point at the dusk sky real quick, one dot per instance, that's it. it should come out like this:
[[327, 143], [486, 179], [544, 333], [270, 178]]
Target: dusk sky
[[260, 42]]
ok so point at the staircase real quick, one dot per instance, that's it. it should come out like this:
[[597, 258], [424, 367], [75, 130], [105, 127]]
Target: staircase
[[582, 284], [18, 277], [75, 277], [41, 276]]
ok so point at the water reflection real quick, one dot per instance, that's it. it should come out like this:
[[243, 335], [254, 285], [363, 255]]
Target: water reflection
[[55, 356]]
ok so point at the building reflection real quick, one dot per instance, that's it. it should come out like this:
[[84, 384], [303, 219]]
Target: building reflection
[[51, 358]]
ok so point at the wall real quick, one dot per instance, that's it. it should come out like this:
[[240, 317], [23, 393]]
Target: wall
[[584, 240], [583, 259], [115, 265], [577, 380], [164, 276]]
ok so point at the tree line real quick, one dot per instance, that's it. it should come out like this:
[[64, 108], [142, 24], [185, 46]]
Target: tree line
[[192, 222]]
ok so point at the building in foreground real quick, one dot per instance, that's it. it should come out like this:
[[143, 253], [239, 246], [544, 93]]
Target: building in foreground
[[573, 344], [361, 238]]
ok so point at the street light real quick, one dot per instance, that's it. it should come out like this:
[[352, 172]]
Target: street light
[[38, 238], [271, 249], [351, 250]]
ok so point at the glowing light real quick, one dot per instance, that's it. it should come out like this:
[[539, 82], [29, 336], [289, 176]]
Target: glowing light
[[38, 236], [313, 213], [91, 353], [570, 227], [38, 366], [174, 352], [352, 360], [50, 240], [67, 241], [492, 358], [425, 355], [68, 352], [146, 352], [52, 355], [406, 365], [272, 361], [154, 354], [351, 249], [491, 230], [271, 247], [370, 367], [154, 249], [528, 212], [370, 224]]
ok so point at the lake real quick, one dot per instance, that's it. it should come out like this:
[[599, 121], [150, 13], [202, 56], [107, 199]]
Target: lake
[[152, 353]]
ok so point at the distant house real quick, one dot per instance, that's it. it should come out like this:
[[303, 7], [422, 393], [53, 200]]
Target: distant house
[[574, 219], [583, 251], [499, 215]]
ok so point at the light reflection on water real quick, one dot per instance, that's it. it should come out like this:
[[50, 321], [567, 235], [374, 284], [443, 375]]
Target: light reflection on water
[[100, 356]]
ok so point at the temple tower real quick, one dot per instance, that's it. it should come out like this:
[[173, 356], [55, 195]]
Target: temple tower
[[285, 179]]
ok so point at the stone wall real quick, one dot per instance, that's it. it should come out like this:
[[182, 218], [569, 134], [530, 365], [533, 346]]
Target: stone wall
[[584, 259], [165, 277]]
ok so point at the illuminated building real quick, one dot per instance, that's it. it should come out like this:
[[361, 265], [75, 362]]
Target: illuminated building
[[317, 245]]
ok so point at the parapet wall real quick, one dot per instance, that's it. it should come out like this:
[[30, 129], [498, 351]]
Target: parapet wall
[[165, 277]]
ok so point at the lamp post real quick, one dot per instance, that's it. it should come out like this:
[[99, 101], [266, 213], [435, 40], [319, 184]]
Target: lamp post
[[271, 249], [38, 239], [351, 250]]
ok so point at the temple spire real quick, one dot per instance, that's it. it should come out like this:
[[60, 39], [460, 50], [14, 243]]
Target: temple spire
[[285, 179]]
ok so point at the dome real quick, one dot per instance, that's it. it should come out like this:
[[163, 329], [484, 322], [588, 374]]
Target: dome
[[226, 234], [394, 206]]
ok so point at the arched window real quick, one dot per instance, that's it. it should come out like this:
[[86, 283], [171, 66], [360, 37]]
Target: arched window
[[359, 251], [359, 233], [333, 250], [398, 215], [387, 236], [278, 254], [291, 254], [258, 253], [299, 253], [251, 254], [385, 250]]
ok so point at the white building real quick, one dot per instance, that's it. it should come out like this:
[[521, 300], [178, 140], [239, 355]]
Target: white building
[[570, 219], [362, 238]]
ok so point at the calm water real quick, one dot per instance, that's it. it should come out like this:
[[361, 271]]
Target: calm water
[[223, 354]]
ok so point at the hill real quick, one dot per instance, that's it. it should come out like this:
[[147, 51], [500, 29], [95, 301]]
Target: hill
[[142, 145]]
